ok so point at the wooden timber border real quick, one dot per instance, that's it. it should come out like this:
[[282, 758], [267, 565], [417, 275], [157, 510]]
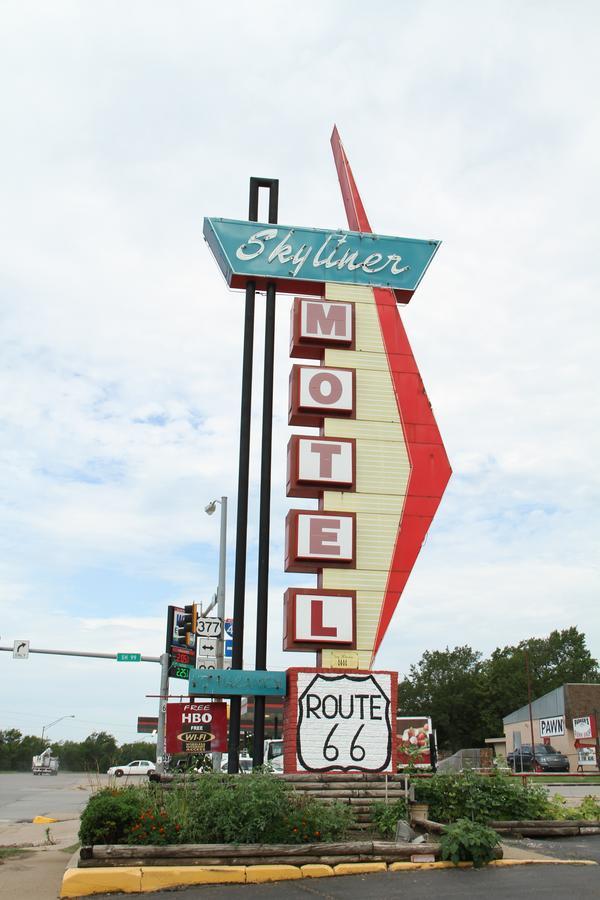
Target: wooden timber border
[[329, 854], [546, 828]]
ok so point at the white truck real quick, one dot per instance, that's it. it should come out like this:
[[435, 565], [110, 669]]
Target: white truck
[[45, 763], [274, 754]]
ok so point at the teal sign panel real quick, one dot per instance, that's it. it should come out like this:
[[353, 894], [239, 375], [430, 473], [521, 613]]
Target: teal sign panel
[[302, 259], [237, 683], [129, 657]]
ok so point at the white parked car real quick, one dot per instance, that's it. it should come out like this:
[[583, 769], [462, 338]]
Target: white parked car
[[137, 767]]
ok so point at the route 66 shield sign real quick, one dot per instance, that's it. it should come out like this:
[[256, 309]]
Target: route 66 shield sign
[[345, 721]]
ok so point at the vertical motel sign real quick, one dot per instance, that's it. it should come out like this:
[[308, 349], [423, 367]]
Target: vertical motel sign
[[377, 465]]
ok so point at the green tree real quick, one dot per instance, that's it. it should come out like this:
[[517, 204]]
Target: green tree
[[555, 660], [99, 751], [447, 685], [137, 750], [467, 697]]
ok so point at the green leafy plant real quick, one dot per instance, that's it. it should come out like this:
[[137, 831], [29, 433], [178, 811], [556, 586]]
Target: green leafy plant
[[387, 815], [481, 798], [109, 815], [467, 841], [310, 821], [153, 827], [589, 809]]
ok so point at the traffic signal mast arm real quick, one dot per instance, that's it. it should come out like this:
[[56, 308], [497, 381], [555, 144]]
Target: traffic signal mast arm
[[154, 659]]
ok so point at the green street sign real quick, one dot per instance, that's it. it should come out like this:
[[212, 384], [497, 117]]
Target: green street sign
[[129, 657]]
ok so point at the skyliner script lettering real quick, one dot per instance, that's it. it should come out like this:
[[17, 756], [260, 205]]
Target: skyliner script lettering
[[337, 256]]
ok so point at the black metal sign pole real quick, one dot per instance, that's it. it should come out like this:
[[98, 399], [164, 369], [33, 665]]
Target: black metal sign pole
[[239, 594], [262, 594]]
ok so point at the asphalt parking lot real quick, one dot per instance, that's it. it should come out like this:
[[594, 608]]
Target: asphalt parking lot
[[24, 795], [539, 881]]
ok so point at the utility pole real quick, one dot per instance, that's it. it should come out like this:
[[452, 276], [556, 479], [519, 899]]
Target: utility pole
[[217, 757], [533, 760], [162, 713]]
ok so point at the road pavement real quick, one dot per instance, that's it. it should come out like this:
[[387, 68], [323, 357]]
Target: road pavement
[[539, 881], [573, 792], [24, 795]]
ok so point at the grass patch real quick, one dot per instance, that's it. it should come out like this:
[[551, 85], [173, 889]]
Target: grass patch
[[71, 849], [14, 852]]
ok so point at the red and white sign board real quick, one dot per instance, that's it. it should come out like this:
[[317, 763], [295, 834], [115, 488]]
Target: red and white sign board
[[318, 464], [316, 324], [196, 727], [337, 721], [314, 618], [584, 727], [314, 539]]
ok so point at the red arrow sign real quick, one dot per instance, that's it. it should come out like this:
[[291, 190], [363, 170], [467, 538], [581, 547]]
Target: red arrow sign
[[429, 467]]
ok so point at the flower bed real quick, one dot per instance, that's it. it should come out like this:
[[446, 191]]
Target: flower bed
[[213, 809]]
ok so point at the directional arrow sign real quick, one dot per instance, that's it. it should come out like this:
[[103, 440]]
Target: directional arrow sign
[[302, 259], [20, 649], [207, 647]]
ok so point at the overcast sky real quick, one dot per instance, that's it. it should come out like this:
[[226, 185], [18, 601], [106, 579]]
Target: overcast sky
[[123, 125]]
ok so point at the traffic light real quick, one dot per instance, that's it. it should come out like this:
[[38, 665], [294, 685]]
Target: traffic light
[[190, 616]]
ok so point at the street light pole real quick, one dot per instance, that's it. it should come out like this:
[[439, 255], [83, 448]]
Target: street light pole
[[220, 595], [54, 723]]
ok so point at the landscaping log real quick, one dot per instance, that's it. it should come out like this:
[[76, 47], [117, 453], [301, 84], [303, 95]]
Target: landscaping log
[[113, 855]]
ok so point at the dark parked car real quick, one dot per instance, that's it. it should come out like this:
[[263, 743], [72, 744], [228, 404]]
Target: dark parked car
[[547, 759]]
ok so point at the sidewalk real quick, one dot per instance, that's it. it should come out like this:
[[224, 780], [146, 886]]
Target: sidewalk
[[37, 875]]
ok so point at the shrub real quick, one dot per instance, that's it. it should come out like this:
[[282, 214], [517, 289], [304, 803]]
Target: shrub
[[481, 798], [468, 841], [109, 815], [256, 808], [589, 808], [153, 827], [309, 820], [387, 815]]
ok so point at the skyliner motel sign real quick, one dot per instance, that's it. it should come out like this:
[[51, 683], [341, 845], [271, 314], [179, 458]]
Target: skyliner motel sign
[[377, 466]]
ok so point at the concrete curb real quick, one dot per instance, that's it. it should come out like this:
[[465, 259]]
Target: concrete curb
[[142, 879]]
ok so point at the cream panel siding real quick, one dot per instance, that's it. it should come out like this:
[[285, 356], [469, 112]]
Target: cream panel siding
[[382, 468], [356, 579], [354, 359], [376, 431], [375, 540], [379, 504], [349, 292], [375, 397]]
